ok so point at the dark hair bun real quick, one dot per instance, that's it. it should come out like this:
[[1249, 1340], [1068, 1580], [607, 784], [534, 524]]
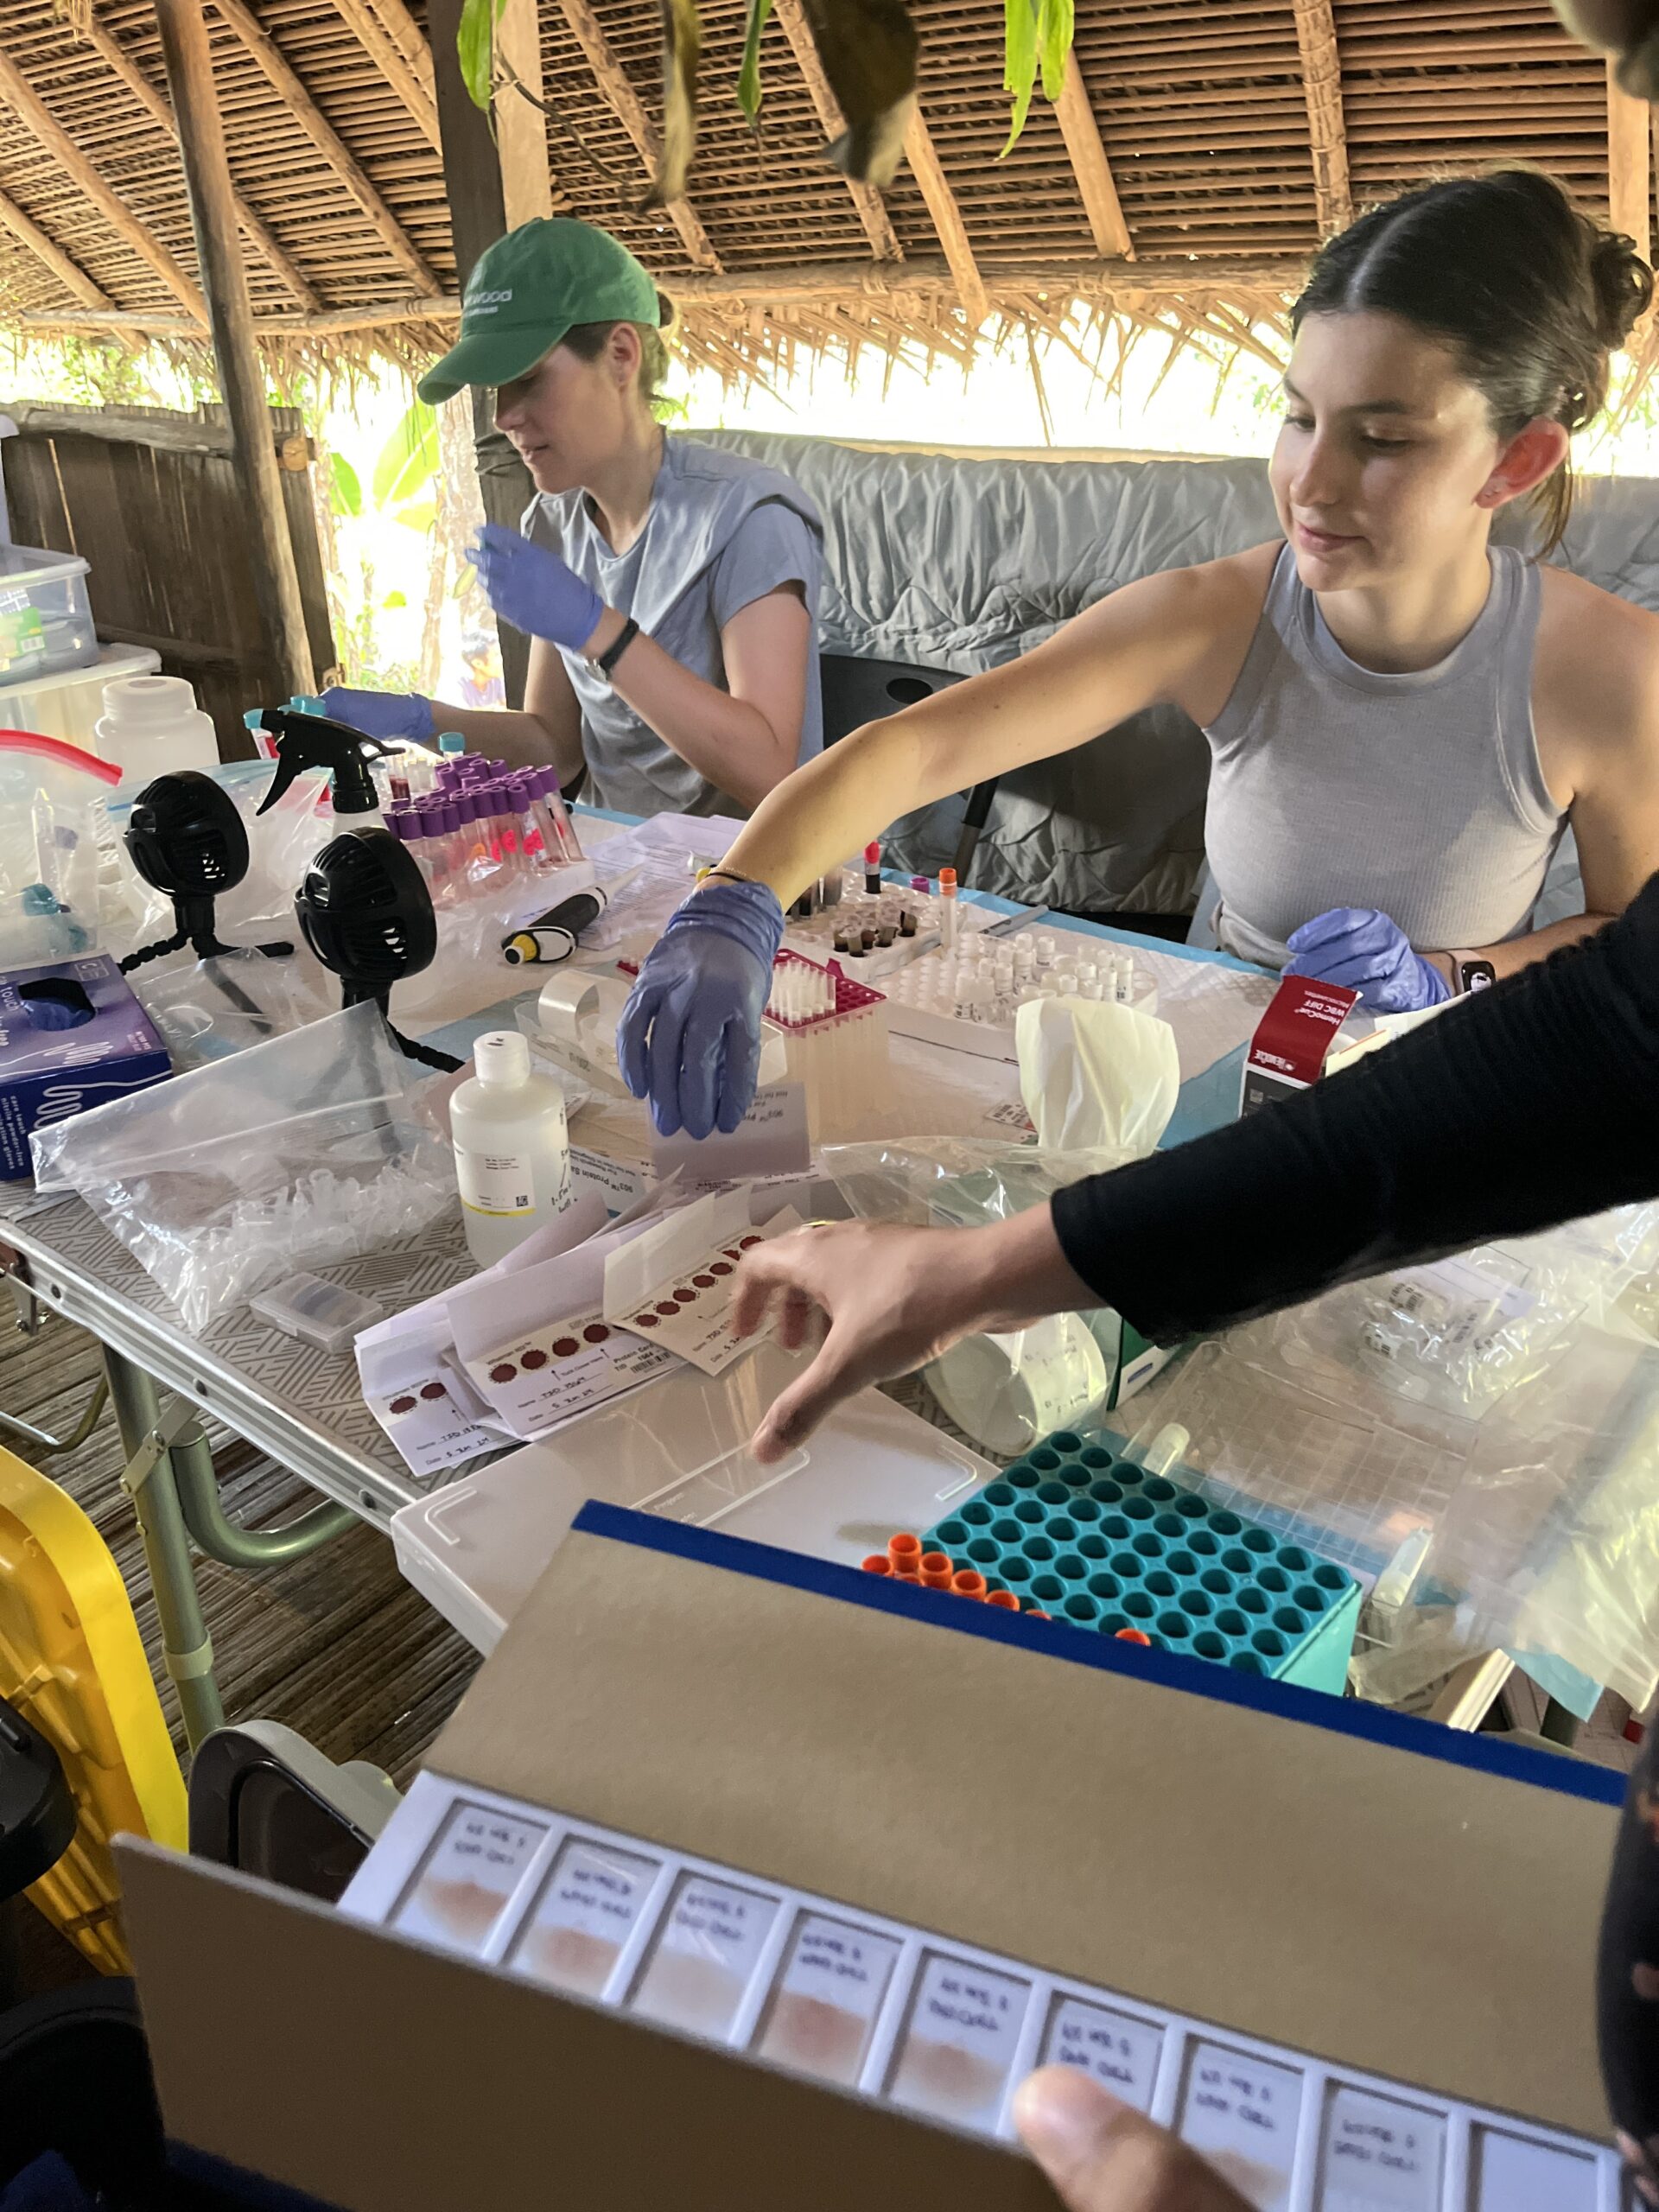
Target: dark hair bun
[[1622, 284]]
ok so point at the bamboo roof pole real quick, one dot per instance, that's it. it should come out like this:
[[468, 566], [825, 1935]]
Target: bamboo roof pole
[[311, 119], [30, 110], [188, 57], [613, 80], [1090, 165], [1628, 156], [1316, 37], [388, 58], [935, 188], [520, 125], [872, 208], [410, 42], [51, 256], [122, 64]]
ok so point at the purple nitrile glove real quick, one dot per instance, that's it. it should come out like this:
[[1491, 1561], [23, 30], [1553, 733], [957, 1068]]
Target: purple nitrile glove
[[534, 590], [381, 714], [690, 1036], [1363, 948]]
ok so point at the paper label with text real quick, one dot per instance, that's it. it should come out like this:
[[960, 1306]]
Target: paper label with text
[[477, 1862], [959, 2044], [1242, 2113], [1121, 2054]]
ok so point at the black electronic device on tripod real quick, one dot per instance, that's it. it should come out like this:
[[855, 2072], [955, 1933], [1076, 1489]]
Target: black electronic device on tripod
[[365, 911], [186, 840]]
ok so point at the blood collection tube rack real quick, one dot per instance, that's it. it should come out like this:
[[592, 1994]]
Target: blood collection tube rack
[[834, 1034], [943, 999], [1077, 1531]]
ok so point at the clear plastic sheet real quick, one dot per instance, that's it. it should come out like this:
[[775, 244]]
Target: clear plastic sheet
[[229, 1003], [1528, 1524], [51, 815], [309, 1149]]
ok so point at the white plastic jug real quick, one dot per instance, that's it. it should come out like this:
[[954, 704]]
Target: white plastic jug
[[150, 727]]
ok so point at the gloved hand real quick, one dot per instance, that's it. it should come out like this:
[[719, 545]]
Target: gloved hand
[[1362, 948], [533, 589], [381, 714], [690, 1036]]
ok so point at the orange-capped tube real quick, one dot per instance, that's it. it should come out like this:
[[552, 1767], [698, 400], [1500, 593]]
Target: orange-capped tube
[[1133, 1636], [904, 1550], [1038, 1614], [1004, 1601], [967, 1582], [937, 1570], [914, 1580], [878, 1563]]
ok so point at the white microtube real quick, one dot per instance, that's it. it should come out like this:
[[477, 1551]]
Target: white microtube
[[1046, 948]]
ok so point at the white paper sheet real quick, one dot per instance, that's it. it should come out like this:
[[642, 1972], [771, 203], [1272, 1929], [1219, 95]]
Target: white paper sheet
[[674, 1285]]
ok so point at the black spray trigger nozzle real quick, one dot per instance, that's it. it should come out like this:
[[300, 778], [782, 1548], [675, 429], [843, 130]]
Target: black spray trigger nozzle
[[317, 741]]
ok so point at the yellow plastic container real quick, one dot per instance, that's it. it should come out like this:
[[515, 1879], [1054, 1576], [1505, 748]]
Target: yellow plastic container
[[71, 1662]]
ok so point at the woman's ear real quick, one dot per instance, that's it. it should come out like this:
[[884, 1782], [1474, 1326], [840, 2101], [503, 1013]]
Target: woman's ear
[[623, 355], [1529, 456]]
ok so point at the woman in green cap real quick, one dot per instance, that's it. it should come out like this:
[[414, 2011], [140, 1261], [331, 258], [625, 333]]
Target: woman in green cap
[[669, 590]]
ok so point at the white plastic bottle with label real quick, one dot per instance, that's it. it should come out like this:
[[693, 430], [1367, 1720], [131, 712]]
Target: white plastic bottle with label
[[151, 726], [512, 1149]]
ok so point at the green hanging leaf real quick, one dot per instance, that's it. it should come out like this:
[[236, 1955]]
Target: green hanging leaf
[[475, 48], [409, 458], [394, 601], [1019, 65], [419, 515], [682, 50], [1035, 32], [748, 79], [1056, 21], [347, 493]]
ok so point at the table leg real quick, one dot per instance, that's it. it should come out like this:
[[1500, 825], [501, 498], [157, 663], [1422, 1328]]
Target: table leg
[[187, 1650], [214, 1533]]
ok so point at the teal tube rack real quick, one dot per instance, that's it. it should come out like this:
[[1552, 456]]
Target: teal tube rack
[[1080, 1533]]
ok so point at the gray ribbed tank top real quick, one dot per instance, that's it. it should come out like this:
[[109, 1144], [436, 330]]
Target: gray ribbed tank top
[[1422, 794]]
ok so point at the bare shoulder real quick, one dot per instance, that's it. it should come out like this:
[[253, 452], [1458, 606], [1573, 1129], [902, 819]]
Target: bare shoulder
[[1230, 590], [1215, 609], [1596, 668]]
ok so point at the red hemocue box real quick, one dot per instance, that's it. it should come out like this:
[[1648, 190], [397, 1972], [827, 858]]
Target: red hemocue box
[[1293, 1039]]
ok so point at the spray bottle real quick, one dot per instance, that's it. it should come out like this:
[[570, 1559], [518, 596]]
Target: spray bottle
[[307, 740]]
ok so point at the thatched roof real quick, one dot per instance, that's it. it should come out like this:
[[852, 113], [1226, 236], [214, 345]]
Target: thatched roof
[[1228, 139]]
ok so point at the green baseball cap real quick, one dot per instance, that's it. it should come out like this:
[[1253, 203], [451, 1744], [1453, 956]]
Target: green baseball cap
[[528, 290]]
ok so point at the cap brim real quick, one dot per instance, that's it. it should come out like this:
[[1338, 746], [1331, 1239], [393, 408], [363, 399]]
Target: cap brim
[[488, 357]]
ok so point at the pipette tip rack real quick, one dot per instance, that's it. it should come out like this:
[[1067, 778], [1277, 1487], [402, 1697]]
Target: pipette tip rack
[[1078, 1532]]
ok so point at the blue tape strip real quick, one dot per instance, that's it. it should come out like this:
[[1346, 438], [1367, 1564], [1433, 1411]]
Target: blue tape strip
[[1371, 1724]]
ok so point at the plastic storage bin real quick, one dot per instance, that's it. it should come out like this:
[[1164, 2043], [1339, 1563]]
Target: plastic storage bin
[[1089, 1538], [67, 706], [45, 617]]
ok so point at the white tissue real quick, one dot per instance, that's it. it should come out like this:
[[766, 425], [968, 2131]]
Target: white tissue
[[1096, 1078]]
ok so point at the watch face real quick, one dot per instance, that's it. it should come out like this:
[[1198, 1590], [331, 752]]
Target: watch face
[[1479, 975]]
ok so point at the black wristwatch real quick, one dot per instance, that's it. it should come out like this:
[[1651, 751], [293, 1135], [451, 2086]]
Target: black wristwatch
[[1469, 973], [606, 661]]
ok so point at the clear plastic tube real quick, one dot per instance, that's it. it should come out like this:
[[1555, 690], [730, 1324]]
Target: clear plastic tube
[[553, 800]]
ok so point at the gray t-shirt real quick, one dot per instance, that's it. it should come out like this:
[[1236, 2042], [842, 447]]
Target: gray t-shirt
[[722, 532]]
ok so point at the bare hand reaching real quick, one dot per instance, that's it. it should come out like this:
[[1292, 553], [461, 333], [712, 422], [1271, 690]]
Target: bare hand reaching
[[1102, 2157]]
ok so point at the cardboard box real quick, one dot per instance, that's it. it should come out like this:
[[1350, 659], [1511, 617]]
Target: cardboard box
[[1391, 1897], [70, 1036], [1292, 1040]]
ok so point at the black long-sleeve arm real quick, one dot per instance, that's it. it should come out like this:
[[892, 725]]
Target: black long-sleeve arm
[[1531, 1103]]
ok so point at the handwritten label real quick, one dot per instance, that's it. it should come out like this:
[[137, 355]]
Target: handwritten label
[[1380, 2156], [430, 1428], [1513, 2176], [959, 2045], [705, 1957], [826, 2000], [470, 1872], [1121, 2054], [562, 1368], [1240, 2113], [587, 1911]]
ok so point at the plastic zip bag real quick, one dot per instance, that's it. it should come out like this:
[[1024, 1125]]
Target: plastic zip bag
[[310, 1149]]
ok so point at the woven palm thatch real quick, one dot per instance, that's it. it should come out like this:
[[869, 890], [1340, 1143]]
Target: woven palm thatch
[[1194, 162]]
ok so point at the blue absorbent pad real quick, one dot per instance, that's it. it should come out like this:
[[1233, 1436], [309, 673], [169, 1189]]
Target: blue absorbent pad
[[1077, 1531]]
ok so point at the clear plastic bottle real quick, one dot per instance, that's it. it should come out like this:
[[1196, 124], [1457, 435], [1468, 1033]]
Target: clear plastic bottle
[[512, 1147]]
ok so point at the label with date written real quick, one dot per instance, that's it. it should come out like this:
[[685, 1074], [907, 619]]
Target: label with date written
[[477, 1862], [706, 1955], [1120, 2053], [1380, 2156], [959, 2044], [589, 1906], [1242, 2112]]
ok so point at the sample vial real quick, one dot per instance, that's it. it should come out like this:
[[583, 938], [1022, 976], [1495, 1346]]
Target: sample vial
[[950, 919]]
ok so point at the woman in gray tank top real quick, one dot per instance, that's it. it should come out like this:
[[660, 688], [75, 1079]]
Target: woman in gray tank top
[[1403, 717]]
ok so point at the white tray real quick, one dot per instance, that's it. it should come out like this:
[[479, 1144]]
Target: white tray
[[476, 1549]]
